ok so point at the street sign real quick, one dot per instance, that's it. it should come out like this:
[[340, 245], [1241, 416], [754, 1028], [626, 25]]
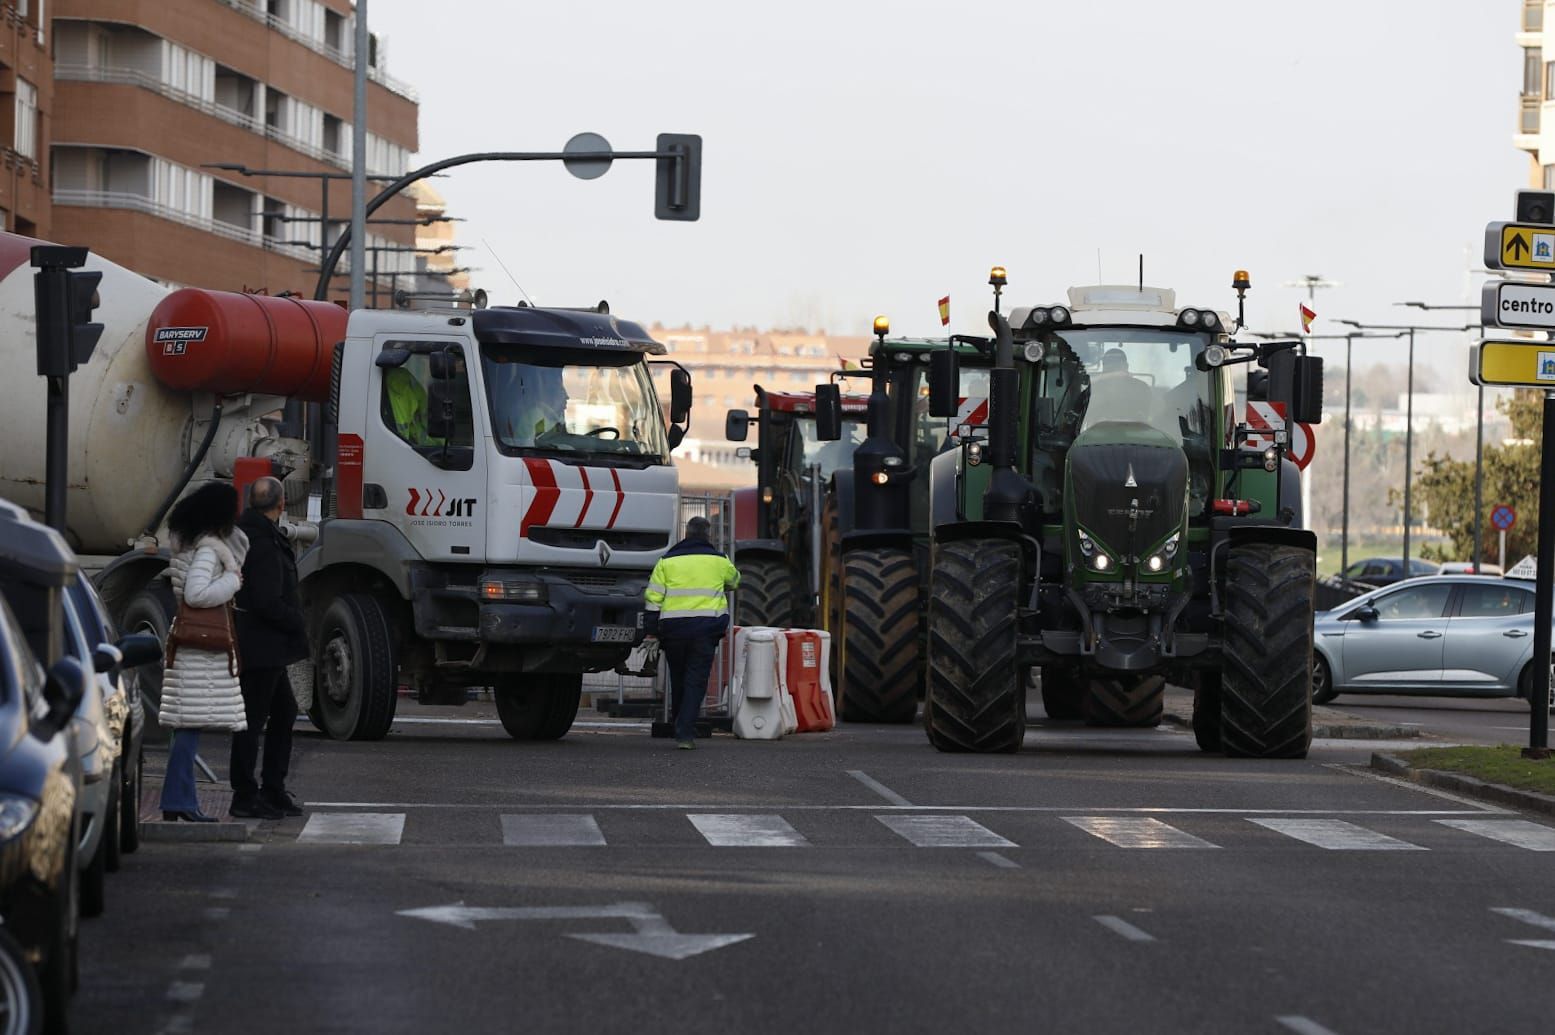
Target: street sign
[[1513, 364], [1303, 444], [1504, 304], [1503, 517], [1520, 246]]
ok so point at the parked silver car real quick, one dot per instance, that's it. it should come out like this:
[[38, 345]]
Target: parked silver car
[[1458, 635]]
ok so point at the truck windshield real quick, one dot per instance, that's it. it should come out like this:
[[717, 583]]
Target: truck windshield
[[829, 455], [584, 403]]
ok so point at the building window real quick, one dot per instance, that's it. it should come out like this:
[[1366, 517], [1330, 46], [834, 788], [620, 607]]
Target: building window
[[1549, 177], [1532, 58], [26, 142], [1533, 15]]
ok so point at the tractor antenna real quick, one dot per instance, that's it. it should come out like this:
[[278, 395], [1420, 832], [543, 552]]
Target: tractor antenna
[[505, 269], [1141, 272]]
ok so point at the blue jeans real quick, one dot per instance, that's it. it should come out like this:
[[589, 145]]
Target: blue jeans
[[691, 663], [178, 794]]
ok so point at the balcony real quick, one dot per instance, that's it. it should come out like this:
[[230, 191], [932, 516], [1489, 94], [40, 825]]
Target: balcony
[[255, 9], [1528, 114], [135, 202]]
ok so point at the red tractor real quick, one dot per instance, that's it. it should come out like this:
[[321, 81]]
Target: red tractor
[[777, 524]]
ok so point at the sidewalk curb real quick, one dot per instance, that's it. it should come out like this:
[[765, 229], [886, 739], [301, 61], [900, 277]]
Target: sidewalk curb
[[1468, 786], [1328, 730]]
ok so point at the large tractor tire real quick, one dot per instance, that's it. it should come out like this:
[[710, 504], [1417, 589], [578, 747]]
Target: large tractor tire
[[1206, 712], [151, 611], [879, 648], [539, 707], [766, 593], [355, 685], [1266, 684], [1062, 692], [1125, 700], [977, 694]]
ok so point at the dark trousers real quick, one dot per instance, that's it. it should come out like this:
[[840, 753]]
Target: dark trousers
[[691, 663], [271, 709]]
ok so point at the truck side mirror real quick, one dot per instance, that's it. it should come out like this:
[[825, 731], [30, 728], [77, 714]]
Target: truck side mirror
[[828, 412], [680, 396], [737, 426], [1306, 390], [676, 435], [66, 685], [440, 409], [944, 383]]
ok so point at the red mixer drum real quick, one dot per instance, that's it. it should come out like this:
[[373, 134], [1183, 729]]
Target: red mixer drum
[[228, 343]]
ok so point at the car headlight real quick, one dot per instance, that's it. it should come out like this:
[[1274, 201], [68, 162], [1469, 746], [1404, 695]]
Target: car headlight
[[16, 815]]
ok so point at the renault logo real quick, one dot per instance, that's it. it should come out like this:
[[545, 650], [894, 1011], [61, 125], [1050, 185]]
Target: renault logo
[[1128, 483], [604, 552]]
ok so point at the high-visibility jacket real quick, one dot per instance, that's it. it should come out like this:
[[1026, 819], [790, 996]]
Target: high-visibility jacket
[[686, 594], [408, 403]]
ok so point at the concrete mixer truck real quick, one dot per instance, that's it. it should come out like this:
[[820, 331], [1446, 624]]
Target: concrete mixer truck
[[492, 486]]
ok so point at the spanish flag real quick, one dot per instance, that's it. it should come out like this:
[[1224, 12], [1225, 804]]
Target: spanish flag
[[1308, 314], [944, 311]]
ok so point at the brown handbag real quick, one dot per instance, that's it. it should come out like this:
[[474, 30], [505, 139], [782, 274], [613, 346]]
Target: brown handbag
[[204, 628]]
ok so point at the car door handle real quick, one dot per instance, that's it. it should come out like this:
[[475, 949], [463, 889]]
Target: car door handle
[[1430, 634], [1515, 634]]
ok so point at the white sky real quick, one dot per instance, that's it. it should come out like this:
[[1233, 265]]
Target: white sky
[[866, 157]]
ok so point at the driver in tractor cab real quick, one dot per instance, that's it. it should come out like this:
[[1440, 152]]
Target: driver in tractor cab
[[1116, 394]]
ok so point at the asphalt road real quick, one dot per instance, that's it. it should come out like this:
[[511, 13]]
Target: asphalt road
[[1469, 720], [857, 881]]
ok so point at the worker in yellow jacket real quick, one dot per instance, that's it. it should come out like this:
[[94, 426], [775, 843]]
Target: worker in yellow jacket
[[687, 609]]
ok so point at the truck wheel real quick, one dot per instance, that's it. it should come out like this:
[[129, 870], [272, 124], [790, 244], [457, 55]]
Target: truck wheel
[[879, 636], [1125, 700], [1206, 712], [539, 707], [151, 611], [1266, 684], [976, 699], [354, 684], [766, 594], [1062, 691], [19, 990]]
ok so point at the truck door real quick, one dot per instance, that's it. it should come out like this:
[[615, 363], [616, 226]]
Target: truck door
[[422, 449]]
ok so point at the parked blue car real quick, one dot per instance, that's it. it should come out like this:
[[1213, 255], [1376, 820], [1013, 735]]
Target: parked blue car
[[1452, 635]]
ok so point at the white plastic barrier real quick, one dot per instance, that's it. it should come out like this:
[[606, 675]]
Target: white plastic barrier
[[757, 698]]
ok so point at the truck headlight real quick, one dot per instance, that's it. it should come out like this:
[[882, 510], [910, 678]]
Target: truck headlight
[[16, 815], [519, 591]]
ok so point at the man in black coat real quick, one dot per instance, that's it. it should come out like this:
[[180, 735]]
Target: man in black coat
[[271, 635]]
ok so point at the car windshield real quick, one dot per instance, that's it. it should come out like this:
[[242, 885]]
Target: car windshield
[[601, 405], [828, 455]]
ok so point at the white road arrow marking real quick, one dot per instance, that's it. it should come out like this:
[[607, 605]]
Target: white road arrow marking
[[1528, 916], [653, 934]]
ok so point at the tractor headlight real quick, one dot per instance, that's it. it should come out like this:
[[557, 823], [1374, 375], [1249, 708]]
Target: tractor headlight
[[1169, 548], [1215, 356], [767, 494], [1033, 351], [1087, 547], [1058, 314], [1155, 563], [1271, 460], [1188, 317], [974, 454], [1209, 321], [1102, 562], [892, 461], [880, 477]]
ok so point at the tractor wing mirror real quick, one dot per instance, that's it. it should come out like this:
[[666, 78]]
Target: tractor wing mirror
[[828, 412], [737, 426], [944, 383], [1306, 390]]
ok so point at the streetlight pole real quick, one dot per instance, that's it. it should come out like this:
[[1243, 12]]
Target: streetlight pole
[[359, 161]]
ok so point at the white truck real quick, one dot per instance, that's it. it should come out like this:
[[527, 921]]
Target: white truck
[[494, 485]]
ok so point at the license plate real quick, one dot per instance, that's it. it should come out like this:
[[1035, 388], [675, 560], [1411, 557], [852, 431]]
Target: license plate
[[614, 634]]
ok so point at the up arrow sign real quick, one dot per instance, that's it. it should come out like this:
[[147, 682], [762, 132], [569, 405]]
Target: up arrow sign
[[652, 933], [1518, 248]]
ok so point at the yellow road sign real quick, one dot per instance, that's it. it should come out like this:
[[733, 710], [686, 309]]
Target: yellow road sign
[[1514, 364], [1520, 246]]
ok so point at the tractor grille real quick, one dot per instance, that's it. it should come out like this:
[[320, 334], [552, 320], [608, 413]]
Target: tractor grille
[[1100, 473]]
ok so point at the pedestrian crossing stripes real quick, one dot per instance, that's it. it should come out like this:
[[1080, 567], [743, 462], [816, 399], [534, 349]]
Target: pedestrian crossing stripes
[[935, 830]]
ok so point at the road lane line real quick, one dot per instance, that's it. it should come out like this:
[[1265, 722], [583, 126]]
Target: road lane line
[[945, 832], [879, 788], [1528, 916], [998, 860], [1533, 836], [1137, 833], [551, 830], [1117, 925], [1337, 835], [735, 831], [217, 913], [1304, 1026], [353, 828], [200, 961], [185, 991]]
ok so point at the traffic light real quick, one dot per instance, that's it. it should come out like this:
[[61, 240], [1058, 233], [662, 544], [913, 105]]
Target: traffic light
[[1536, 206], [677, 188], [64, 296]]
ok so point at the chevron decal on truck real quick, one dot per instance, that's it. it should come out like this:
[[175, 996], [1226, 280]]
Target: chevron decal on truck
[[601, 502]]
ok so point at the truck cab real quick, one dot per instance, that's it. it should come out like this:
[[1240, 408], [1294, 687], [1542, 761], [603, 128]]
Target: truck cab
[[503, 487]]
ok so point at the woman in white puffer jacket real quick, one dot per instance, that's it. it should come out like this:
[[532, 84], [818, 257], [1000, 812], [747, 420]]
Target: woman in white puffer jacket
[[200, 689]]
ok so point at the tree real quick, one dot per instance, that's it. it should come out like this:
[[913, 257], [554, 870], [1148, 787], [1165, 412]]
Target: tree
[[1511, 475]]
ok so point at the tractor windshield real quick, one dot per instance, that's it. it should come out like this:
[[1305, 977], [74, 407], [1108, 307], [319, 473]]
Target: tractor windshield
[[932, 435], [1147, 375], [828, 455], [599, 405]]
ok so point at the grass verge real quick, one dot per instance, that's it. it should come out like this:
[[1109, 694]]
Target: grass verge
[[1502, 764]]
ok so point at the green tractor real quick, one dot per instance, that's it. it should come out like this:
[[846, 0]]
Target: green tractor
[[1118, 528], [875, 523]]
